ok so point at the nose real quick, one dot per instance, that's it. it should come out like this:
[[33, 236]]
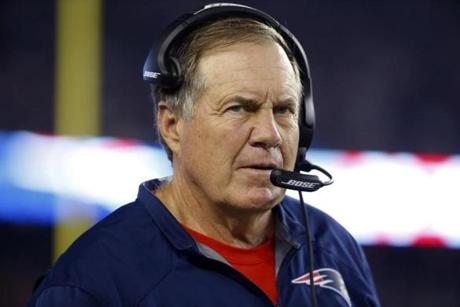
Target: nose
[[265, 131]]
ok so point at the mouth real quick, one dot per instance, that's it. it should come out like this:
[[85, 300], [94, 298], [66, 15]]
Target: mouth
[[262, 168], [269, 166]]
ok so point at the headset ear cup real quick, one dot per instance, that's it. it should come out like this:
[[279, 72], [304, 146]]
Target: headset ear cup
[[306, 121], [309, 112], [171, 76], [175, 73]]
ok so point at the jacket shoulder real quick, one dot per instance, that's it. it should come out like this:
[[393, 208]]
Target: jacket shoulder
[[330, 238], [334, 246], [121, 257]]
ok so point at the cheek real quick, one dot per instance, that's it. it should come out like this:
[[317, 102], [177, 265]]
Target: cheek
[[291, 144], [206, 144], [189, 139]]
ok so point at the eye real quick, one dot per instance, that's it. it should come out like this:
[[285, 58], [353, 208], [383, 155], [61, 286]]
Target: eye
[[236, 108], [283, 110]]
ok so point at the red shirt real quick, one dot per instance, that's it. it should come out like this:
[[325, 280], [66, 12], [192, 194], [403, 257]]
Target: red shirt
[[257, 264]]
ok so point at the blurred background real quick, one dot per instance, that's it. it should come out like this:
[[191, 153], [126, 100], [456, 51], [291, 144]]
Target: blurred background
[[77, 133]]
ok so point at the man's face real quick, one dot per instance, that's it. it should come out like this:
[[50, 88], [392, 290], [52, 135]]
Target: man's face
[[245, 125]]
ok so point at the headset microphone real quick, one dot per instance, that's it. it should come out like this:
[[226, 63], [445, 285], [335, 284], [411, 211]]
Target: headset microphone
[[298, 181]]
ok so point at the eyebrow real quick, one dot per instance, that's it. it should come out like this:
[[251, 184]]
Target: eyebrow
[[289, 102], [253, 103]]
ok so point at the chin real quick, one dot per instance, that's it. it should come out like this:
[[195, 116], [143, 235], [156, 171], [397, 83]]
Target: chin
[[262, 199]]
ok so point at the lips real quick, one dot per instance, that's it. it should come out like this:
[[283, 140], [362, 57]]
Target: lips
[[265, 165]]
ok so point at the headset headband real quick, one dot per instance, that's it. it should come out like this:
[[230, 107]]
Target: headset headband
[[162, 68]]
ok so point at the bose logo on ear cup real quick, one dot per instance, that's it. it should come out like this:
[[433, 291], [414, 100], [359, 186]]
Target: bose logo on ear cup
[[151, 74]]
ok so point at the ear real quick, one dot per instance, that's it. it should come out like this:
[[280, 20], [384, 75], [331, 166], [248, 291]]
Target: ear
[[169, 124]]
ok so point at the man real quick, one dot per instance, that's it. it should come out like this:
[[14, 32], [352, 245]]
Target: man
[[217, 232]]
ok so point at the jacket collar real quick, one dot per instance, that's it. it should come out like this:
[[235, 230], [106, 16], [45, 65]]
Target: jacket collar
[[288, 228], [165, 221]]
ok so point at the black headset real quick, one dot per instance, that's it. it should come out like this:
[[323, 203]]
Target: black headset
[[162, 67]]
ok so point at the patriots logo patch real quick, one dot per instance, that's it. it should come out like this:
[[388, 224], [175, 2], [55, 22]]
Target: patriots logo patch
[[328, 279]]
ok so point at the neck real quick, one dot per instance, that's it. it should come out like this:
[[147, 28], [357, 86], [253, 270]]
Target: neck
[[235, 227]]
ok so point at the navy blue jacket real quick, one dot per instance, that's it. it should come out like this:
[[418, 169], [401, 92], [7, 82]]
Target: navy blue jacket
[[139, 255]]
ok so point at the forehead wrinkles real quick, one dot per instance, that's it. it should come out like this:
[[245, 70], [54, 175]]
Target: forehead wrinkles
[[225, 92], [238, 81], [249, 62]]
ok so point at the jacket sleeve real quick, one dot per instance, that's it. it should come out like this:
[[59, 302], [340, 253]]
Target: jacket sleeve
[[68, 296], [372, 296]]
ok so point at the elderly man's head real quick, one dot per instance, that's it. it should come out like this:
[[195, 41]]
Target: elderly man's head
[[213, 36], [234, 119]]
